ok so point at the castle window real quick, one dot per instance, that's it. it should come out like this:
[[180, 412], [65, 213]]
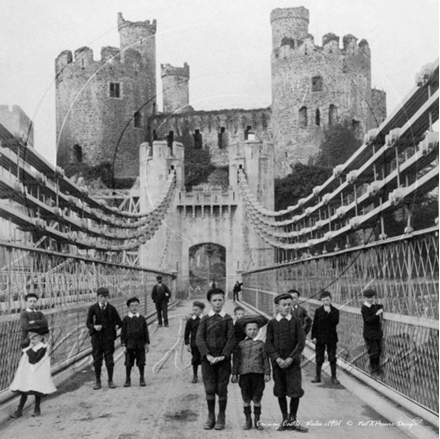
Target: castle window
[[317, 117], [137, 120], [222, 143], [248, 134], [77, 153], [198, 140], [302, 117], [114, 90], [317, 83], [332, 115]]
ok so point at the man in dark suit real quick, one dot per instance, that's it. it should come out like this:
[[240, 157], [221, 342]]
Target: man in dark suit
[[324, 335], [161, 295], [372, 316], [300, 312], [102, 321]]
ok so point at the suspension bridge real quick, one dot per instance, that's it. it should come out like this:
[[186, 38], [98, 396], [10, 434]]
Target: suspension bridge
[[64, 240]]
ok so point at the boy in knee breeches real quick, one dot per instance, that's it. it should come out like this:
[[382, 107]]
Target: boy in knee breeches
[[325, 336], [192, 325], [135, 341], [285, 341], [216, 340], [251, 364]]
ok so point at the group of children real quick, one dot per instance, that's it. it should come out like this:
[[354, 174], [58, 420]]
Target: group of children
[[213, 339]]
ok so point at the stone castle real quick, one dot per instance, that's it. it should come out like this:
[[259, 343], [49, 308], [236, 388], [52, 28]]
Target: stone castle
[[106, 108]]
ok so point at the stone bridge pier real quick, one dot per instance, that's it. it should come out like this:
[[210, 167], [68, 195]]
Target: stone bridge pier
[[207, 214]]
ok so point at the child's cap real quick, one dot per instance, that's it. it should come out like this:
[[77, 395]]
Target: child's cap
[[256, 321], [370, 293], [159, 277], [28, 296], [325, 294], [102, 291], [201, 305], [38, 327], [281, 297], [293, 292], [133, 299]]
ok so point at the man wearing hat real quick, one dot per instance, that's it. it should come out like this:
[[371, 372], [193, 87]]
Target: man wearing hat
[[372, 315], [30, 316], [160, 295], [102, 320]]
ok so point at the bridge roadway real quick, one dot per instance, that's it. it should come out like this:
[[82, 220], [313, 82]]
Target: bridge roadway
[[170, 407]]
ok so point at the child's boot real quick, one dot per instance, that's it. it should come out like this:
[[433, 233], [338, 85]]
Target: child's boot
[[257, 413], [111, 384], [317, 378], [221, 418], [194, 380], [210, 422], [296, 426], [142, 382], [37, 411], [248, 423], [127, 376], [98, 379], [283, 426], [19, 412]]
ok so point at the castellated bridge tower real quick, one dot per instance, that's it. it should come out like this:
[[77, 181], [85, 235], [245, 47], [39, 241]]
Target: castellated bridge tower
[[175, 87], [102, 106], [314, 87]]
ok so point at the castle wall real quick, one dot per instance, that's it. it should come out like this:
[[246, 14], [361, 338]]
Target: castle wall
[[17, 122], [97, 101], [234, 123], [175, 88], [314, 87]]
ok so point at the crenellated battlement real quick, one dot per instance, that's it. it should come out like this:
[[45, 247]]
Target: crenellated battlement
[[169, 70], [150, 27]]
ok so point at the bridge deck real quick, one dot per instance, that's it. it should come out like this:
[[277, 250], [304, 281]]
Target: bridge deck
[[171, 407]]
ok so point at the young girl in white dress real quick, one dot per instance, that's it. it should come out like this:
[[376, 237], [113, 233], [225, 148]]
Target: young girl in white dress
[[33, 375]]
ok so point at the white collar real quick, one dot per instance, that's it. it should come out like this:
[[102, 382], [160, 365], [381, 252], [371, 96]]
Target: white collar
[[130, 314], [39, 345], [248, 338], [31, 310], [368, 304], [195, 317], [279, 317], [221, 313]]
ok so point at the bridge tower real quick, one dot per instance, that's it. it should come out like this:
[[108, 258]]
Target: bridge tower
[[175, 88]]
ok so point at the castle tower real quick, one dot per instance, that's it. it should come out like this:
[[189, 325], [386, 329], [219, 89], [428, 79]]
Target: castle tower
[[314, 87], [102, 106], [175, 87]]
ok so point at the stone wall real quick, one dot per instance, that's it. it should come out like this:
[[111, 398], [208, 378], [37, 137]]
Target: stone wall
[[218, 129], [175, 88], [17, 122], [102, 106]]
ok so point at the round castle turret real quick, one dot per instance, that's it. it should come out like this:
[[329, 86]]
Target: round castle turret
[[314, 87], [102, 106], [175, 87]]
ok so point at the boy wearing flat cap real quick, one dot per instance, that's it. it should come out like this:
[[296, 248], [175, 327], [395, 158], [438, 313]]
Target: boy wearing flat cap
[[216, 340], [285, 341], [324, 335], [135, 341], [161, 295], [192, 324], [251, 369], [102, 321], [30, 316], [372, 313]]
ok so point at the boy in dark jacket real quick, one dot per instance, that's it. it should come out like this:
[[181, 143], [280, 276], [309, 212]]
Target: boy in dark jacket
[[191, 327], [285, 342], [30, 316], [372, 316], [324, 335], [135, 341], [102, 321], [216, 341], [300, 312], [161, 295]]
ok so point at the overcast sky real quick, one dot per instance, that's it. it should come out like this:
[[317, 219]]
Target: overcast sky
[[226, 43]]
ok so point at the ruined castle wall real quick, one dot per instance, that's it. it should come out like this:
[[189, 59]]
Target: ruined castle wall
[[97, 101], [379, 107], [175, 88], [314, 87], [17, 122], [235, 125]]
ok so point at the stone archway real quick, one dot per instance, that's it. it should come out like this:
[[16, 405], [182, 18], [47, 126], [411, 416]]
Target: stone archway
[[207, 262]]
